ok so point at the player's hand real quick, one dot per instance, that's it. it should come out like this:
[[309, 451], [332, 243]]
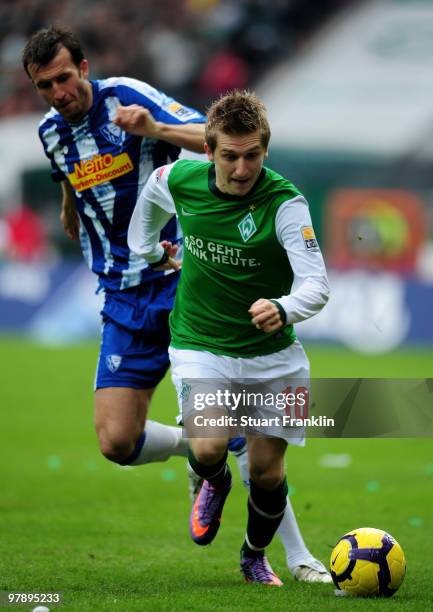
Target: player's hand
[[265, 316], [171, 250], [170, 264], [71, 222], [136, 120]]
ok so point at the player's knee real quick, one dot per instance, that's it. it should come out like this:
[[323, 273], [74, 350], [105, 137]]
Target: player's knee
[[267, 479], [116, 450], [209, 452]]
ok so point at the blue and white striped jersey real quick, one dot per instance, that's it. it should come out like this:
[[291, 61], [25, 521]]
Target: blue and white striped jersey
[[108, 168]]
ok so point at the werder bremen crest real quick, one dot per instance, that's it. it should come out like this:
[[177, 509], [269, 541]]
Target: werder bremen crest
[[185, 391], [247, 227]]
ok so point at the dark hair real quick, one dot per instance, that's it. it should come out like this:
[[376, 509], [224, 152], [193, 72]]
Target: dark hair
[[235, 113], [44, 45]]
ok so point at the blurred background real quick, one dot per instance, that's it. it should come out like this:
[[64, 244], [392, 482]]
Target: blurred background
[[348, 87]]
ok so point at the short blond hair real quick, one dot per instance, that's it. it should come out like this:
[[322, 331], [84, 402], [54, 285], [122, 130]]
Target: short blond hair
[[237, 113]]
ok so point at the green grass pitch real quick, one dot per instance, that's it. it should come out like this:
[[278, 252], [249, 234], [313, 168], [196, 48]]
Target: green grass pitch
[[112, 539]]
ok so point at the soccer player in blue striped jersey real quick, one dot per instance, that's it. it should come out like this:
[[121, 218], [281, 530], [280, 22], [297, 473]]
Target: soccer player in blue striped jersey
[[102, 168]]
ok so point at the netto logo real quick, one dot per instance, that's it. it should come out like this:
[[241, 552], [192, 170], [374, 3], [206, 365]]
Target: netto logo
[[100, 169], [97, 163]]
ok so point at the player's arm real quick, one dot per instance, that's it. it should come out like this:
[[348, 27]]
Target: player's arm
[[139, 121], [310, 288], [68, 214], [154, 208]]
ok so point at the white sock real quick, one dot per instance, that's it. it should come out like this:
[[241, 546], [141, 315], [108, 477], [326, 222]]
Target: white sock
[[161, 442], [296, 551]]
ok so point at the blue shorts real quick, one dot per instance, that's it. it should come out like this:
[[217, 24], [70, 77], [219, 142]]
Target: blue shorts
[[135, 335]]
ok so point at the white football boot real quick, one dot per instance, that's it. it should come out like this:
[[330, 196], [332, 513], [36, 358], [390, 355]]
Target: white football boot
[[311, 570]]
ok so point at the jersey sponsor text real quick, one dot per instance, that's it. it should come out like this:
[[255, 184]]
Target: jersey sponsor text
[[215, 252], [99, 169]]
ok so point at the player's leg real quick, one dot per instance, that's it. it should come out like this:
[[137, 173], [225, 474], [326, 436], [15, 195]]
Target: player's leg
[[133, 359], [302, 564], [290, 368], [198, 375], [266, 505], [208, 459], [237, 447], [120, 415]]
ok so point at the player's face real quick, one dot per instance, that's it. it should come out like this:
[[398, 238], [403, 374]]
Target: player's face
[[64, 85], [238, 161]]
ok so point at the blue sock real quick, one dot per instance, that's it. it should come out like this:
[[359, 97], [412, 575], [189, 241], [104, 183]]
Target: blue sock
[[236, 445]]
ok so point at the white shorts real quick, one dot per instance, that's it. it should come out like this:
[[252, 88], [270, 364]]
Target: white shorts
[[261, 395]]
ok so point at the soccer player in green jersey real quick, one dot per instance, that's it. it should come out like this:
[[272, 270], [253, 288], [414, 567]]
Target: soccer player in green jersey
[[251, 269]]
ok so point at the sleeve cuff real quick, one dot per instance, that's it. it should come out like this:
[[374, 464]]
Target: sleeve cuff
[[161, 262], [281, 310]]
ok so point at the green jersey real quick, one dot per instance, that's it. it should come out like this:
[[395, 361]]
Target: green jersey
[[231, 258], [233, 255]]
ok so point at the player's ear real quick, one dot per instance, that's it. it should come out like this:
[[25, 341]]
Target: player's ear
[[208, 151], [84, 69]]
